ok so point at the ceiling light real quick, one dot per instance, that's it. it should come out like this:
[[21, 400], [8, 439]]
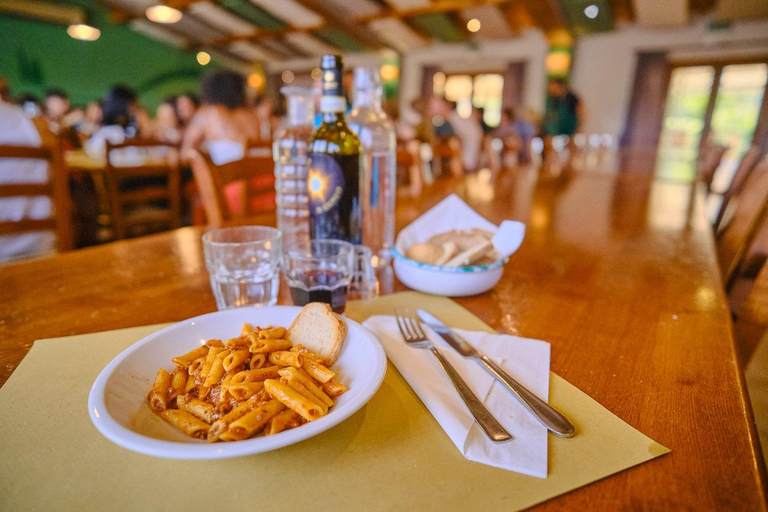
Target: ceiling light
[[591, 11], [255, 80], [163, 14], [389, 72], [203, 58], [83, 32], [287, 76], [473, 25], [317, 74]]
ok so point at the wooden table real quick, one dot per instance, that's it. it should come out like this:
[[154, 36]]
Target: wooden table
[[617, 272]]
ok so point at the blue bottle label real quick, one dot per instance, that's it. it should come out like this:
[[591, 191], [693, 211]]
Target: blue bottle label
[[325, 183]]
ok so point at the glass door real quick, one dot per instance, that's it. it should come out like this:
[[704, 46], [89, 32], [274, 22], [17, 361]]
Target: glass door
[[720, 103]]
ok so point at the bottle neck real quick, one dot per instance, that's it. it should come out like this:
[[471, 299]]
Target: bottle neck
[[367, 98], [333, 117], [301, 109]]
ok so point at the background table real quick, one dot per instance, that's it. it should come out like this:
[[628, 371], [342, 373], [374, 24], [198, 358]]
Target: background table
[[618, 272]]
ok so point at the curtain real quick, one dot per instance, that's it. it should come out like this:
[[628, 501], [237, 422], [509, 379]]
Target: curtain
[[514, 85]]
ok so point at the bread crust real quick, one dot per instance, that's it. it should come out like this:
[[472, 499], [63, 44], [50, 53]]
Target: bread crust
[[328, 354]]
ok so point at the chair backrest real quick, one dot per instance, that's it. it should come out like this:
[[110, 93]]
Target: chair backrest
[[140, 171], [751, 320], [748, 216], [408, 160], [708, 162], [57, 189], [447, 149], [235, 189], [748, 162]]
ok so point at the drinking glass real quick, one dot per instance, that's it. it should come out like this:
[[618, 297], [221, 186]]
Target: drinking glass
[[319, 271], [243, 263], [362, 285]]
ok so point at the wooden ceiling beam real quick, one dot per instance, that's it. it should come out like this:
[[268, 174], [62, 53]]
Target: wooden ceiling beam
[[546, 14], [622, 11], [438, 6], [336, 18], [517, 16]]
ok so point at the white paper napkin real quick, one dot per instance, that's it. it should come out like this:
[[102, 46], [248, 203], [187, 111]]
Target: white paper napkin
[[524, 359]]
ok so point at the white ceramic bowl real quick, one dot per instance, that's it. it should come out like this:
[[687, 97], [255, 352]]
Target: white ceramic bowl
[[118, 407], [447, 281]]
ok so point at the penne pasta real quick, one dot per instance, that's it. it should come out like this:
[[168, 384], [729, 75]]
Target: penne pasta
[[281, 421], [158, 395], [235, 359], [256, 383], [294, 400], [190, 356], [216, 371], [197, 408], [292, 375], [209, 360], [306, 393], [257, 361], [252, 422], [333, 388], [178, 382], [185, 422], [318, 371], [245, 390], [273, 333], [286, 358], [222, 424], [259, 374], [269, 345]]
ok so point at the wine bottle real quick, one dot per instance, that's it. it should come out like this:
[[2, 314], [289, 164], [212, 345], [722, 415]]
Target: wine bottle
[[333, 178]]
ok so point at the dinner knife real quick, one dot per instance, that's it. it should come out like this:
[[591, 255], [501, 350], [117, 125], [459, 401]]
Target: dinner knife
[[545, 413]]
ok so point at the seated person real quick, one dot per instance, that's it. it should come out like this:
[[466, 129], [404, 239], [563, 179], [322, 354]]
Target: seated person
[[223, 125], [117, 123], [17, 129]]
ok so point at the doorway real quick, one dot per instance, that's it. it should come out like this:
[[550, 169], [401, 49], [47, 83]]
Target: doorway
[[719, 104]]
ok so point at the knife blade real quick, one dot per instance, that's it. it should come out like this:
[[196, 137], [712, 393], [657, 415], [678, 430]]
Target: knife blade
[[545, 413]]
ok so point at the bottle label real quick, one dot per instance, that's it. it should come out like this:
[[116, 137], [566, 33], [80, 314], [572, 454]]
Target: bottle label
[[325, 183], [332, 83]]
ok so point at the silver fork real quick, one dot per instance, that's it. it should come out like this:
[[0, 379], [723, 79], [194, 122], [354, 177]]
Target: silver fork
[[413, 334]]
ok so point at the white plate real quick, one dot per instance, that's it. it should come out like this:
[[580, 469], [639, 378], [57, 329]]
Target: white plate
[[118, 407]]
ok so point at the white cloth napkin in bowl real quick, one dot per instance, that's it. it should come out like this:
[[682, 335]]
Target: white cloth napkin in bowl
[[524, 359]]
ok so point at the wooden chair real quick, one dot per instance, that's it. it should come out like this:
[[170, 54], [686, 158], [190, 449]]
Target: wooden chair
[[708, 161], [143, 188], [747, 164], [57, 189], [748, 216], [254, 180], [447, 150], [408, 160], [751, 319]]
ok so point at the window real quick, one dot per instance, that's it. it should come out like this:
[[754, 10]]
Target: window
[[719, 102], [481, 91]]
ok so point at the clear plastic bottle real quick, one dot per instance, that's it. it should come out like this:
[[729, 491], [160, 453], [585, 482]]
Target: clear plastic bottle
[[290, 155], [377, 135]]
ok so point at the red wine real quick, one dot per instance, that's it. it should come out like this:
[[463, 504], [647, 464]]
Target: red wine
[[324, 286]]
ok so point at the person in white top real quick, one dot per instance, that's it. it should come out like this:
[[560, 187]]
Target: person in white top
[[469, 131], [17, 129]]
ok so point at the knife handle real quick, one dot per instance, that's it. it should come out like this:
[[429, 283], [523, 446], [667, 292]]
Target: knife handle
[[487, 422], [545, 413]]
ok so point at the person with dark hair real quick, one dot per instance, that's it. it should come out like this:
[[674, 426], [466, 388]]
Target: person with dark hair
[[56, 107], [223, 125], [118, 120], [186, 107], [166, 126], [564, 112]]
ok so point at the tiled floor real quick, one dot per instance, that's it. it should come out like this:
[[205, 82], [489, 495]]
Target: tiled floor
[[757, 384]]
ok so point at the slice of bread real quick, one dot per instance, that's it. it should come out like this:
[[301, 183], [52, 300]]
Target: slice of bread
[[320, 330]]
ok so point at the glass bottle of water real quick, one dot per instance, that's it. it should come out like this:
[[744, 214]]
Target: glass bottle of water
[[290, 155], [377, 135]]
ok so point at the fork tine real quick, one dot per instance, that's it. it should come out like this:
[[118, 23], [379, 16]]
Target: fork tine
[[401, 325], [416, 323]]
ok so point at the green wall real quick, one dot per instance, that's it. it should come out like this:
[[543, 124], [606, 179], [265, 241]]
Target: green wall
[[35, 56]]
